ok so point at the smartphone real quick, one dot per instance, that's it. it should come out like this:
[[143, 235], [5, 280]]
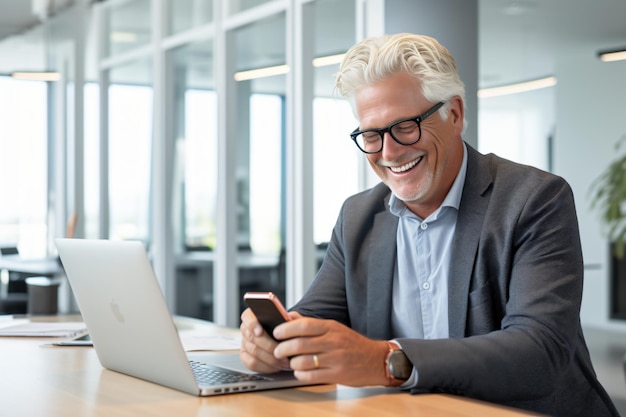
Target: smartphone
[[267, 308]]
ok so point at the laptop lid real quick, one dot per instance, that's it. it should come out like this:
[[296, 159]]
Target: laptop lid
[[130, 325]]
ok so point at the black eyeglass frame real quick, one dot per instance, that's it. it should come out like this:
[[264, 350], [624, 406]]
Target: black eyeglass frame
[[417, 119]]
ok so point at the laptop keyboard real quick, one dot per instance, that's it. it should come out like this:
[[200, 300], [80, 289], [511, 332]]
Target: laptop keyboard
[[212, 375]]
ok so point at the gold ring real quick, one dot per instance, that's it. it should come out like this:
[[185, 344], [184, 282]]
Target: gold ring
[[316, 361]]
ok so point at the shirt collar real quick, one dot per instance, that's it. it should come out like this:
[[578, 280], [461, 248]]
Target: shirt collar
[[453, 198]]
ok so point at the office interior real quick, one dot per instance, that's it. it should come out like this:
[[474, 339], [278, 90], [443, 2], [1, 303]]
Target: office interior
[[210, 131]]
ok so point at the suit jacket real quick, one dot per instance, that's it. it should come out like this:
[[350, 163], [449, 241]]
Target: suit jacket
[[515, 290]]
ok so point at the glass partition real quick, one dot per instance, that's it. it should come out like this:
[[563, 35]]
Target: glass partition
[[260, 166], [265, 172], [333, 119], [130, 135], [195, 130], [23, 165], [235, 6], [128, 26], [186, 97], [188, 14], [260, 154]]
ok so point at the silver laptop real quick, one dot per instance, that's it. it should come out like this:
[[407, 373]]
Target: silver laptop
[[131, 327]]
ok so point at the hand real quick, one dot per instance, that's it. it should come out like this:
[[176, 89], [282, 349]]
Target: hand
[[257, 347], [343, 356]]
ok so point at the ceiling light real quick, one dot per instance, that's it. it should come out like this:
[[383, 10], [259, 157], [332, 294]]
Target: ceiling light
[[123, 37], [36, 75], [614, 55], [261, 72], [517, 87], [284, 69], [328, 60]]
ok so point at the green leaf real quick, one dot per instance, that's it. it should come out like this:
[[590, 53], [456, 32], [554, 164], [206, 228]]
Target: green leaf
[[608, 196]]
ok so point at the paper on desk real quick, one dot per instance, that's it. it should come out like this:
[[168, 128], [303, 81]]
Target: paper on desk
[[196, 342], [42, 329], [191, 342]]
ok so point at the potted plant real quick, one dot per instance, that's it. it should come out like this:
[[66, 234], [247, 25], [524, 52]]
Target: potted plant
[[608, 195]]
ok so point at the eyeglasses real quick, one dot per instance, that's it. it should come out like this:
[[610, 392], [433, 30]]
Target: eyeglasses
[[405, 132]]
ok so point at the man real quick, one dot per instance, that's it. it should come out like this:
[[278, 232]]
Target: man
[[460, 273]]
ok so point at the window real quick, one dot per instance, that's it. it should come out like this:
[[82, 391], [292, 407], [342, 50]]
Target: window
[[260, 167], [130, 136], [333, 151], [518, 127], [200, 165], [186, 14], [235, 6], [266, 125], [23, 165], [128, 25], [194, 108]]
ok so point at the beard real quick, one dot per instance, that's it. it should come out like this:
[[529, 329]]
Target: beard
[[410, 190]]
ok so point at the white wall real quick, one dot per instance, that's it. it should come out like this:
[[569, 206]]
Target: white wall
[[590, 118]]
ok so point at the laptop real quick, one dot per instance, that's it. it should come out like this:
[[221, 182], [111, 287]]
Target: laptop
[[131, 327]]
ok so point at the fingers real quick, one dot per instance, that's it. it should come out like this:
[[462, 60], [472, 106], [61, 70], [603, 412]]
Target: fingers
[[326, 351], [309, 362], [318, 351], [257, 347], [300, 327], [313, 368], [254, 363]]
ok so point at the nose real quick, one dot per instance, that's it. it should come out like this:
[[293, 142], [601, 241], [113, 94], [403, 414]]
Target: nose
[[391, 148]]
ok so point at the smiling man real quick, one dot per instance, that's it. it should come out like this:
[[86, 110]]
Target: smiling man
[[459, 273]]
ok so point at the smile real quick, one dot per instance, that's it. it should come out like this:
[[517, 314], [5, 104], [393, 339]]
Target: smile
[[405, 167]]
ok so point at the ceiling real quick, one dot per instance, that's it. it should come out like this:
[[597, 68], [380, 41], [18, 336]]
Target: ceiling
[[522, 40], [17, 16], [519, 40]]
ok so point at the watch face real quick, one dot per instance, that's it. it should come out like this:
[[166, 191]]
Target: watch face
[[399, 365]]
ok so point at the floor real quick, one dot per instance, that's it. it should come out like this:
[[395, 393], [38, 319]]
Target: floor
[[607, 349]]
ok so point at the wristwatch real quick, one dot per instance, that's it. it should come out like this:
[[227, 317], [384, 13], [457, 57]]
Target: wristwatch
[[398, 368]]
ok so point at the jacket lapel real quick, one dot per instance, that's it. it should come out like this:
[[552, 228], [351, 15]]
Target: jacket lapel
[[381, 267], [474, 202]]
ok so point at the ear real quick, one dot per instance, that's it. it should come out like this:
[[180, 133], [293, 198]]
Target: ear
[[456, 114]]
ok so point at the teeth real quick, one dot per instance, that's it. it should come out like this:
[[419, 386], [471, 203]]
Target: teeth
[[406, 167]]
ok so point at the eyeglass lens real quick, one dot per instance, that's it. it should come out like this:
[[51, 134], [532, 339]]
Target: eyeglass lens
[[405, 133]]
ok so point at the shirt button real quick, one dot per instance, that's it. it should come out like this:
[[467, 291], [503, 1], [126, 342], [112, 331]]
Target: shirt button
[[426, 286], [424, 226]]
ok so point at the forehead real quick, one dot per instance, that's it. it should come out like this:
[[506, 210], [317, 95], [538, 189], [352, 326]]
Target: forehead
[[386, 101]]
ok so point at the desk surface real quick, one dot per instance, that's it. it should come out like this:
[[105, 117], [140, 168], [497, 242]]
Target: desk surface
[[38, 380]]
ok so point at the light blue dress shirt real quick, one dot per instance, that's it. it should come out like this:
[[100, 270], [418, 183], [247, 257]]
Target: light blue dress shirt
[[420, 283]]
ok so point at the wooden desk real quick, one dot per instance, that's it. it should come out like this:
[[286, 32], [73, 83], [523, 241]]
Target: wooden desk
[[40, 380]]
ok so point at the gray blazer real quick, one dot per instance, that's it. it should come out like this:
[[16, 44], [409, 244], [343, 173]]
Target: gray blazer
[[514, 292]]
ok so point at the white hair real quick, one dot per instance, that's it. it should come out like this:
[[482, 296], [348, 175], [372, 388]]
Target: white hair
[[422, 57]]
